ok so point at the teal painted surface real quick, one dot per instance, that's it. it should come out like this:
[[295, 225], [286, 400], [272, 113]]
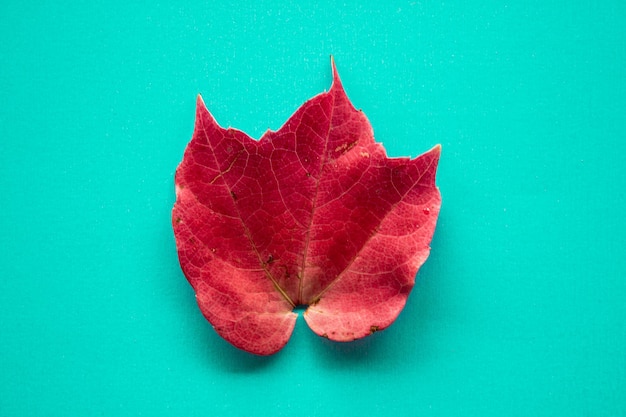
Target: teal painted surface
[[520, 309]]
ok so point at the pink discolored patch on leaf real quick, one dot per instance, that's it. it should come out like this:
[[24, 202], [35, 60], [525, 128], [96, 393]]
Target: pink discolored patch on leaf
[[313, 214]]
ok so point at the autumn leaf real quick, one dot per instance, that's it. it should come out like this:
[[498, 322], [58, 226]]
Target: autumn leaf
[[314, 214]]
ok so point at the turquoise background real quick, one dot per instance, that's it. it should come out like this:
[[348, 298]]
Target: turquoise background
[[520, 309]]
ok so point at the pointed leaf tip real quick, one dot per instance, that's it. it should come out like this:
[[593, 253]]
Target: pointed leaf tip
[[199, 101], [336, 79], [435, 151], [200, 107]]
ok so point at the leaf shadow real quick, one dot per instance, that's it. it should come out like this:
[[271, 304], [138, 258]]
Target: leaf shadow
[[395, 347], [232, 360], [349, 354], [215, 352]]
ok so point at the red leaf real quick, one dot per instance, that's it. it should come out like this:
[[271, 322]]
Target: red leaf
[[313, 214]]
